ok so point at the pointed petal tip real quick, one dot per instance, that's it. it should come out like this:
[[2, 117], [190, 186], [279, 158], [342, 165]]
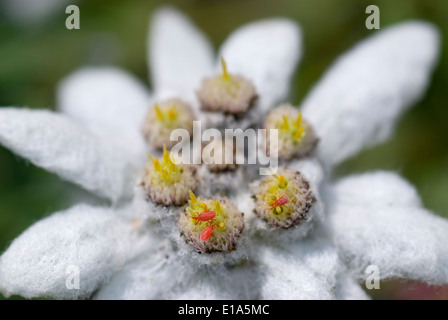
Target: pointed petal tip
[[60, 145], [179, 54], [359, 99], [93, 242], [377, 220]]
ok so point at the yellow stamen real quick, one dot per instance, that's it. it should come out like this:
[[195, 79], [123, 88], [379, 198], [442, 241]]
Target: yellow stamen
[[299, 132], [172, 113], [159, 113], [224, 69], [166, 155], [217, 206], [299, 119], [165, 173], [192, 197], [285, 124], [157, 164], [281, 181], [272, 189], [150, 157]]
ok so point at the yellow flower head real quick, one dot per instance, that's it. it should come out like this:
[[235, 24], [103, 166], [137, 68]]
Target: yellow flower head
[[293, 128], [166, 171]]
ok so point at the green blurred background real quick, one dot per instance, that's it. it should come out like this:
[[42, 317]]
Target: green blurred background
[[35, 53]]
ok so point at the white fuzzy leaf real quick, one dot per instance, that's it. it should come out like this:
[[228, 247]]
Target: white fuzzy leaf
[[109, 101], [266, 52], [300, 270], [379, 188], [60, 145], [377, 220], [164, 275], [179, 55], [358, 100], [92, 239], [347, 288]]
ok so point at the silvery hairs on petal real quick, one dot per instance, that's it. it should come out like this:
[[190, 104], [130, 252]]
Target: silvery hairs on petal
[[109, 102], [359, 99], [385, 226], [61, 145], [93, 240], [153, 277]]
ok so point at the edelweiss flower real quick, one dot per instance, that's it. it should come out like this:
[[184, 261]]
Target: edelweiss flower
[[122, 253]]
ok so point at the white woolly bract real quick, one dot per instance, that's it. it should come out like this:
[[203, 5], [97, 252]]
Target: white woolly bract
[[347, 288], [358, 100], [110, 102], [175, 74], [299, 270], [91, 240], [168, 277], [377, 216], [266, 52], [61, 145], [288, 147]]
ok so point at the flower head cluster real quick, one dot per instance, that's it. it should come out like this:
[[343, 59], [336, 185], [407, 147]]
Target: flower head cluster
[[284, 199], [168, 183], [163, 118], [227, 92], [211, 225], [296, 136]]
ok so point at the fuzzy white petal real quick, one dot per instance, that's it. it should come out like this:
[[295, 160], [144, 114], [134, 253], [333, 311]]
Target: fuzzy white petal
[[92, 239], [145, 278], [266, 52], [109, 101], [60, 145], [389, 231], [300, 270], [358, 100], [347, 288], [179, 55], [162, 275], [378, 188]]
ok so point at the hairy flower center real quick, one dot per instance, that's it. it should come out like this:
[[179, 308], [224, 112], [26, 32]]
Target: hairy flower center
[[165, 170], [168, 116], [231, 85], [230, 93], [279, 196], [206, 213], [292, 128]]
